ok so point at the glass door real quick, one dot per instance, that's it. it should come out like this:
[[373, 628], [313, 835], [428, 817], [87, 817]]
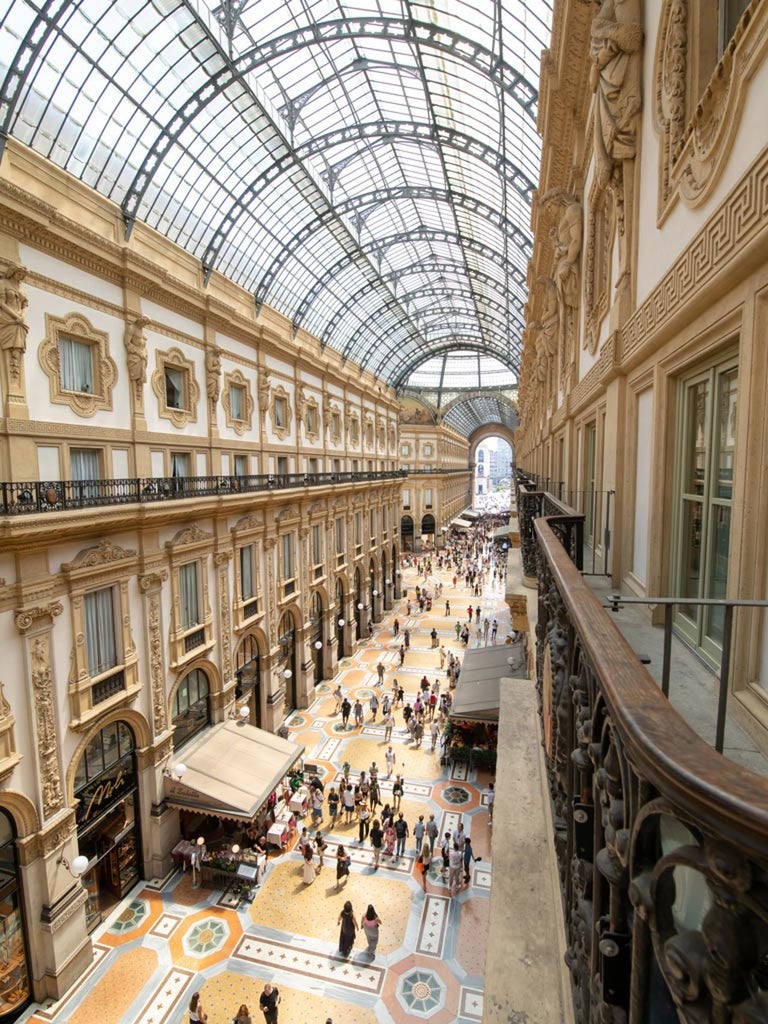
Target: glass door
[[707, 438]]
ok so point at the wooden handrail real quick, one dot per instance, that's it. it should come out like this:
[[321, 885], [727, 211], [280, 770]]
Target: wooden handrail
[[730, 800]]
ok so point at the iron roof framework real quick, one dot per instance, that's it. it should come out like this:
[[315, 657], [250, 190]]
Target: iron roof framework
[[365, 169]]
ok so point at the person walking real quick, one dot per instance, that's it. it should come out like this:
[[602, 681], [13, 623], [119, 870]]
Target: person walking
[[373, 704], [370, 923], [389, 724], [389, 758], [317, 806], [486, 628], [418, 733], [401, 831], [470, 612], [423, 861], [455, 865], [269, 1000], [477, 615], [401, 654], [494, 631], [447, 609], [434, 733], [333, 805], [386, 704], [390, 838], [196, 1013], [374, 794], [364, 823], [490, 796], [432, 832], [469, 855], [338, 697], [442, 658], [457, 627], [380, 673], [343, 862], [377, 841], [358, 709], [418, 832], [348, 802], [346, 707], [397, 793], [348, 929], [407, 639], [321, 846], [243, 1015], [395, 627], [308, 872]]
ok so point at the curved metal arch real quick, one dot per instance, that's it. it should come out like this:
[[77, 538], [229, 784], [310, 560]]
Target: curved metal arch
[[439, 266], [25, 60], [494, 394], [452, 342], [354, 204], [506, 77], [413, 132], [432, 292], [406, 369], [420, 234]]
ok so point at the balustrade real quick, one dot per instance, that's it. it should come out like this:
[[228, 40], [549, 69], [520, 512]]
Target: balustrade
[[662, 844]]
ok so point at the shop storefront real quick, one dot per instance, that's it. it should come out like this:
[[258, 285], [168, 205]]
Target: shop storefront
[[14, 976], [108, 820]]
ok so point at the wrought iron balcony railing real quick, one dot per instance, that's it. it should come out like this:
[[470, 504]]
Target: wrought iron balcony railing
[[662, 843], [20, 498]]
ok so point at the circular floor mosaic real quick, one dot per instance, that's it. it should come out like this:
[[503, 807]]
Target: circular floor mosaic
[[296, 721], [131, 917], [206, 937], [455, 795], [421, 993]]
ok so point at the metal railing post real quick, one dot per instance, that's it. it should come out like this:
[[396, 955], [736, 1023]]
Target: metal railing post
[[725, 672], [667, 662]]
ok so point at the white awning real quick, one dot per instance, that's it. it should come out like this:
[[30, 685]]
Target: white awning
[[477, 694], [461, 524], [231, 771]]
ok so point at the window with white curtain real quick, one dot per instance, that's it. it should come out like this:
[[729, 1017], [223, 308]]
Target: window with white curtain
[[241, 465], [75, 366], [317, 545], [339, 536], [247, 582], [84, 463], [237, 402], [188, 592], [100, 642], [286, 548], [180, 463], [281, 412], [428, 497]]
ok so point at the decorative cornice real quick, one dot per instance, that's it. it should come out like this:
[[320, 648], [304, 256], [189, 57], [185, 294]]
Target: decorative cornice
[[103, 553]]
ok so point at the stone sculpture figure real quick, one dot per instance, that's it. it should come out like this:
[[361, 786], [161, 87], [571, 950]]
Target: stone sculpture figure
[[617, 39], [212, 373], [566, 239], [13, 306], [136, 349]]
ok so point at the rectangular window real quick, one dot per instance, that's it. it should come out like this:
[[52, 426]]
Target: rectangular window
[[317, 545], [247, 575], [241, 465], [282, 465], [237, 402], [188, 593], [312, 466], [339, 536], [428, 497], [75, 366], [311, 420], [100, 645], [358, 532], [372, 522], [174, 387], [84, 463], [335, 424], [180, 464], [406, 497], [281, 412], [337, 465], [286, 563], [405, 449]]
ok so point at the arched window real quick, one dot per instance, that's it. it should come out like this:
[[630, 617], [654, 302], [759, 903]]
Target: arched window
[[14, 985], [191, 707]]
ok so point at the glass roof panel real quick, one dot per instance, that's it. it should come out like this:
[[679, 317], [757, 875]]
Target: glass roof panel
[[312, 150]]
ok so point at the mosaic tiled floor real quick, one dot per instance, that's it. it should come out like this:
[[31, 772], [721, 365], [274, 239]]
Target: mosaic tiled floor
[[160, 946]]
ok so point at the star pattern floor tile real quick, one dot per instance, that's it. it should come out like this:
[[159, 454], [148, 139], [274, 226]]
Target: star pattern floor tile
[[168, 940]]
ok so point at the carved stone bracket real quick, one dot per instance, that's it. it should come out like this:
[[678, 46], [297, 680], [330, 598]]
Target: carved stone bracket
[[42, 615]]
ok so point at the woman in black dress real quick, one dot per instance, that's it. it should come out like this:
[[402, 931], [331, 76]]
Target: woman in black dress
[[348, 929], [342, 865]]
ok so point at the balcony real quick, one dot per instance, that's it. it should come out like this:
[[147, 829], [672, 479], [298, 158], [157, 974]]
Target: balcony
[[661, 842], [18, 499]]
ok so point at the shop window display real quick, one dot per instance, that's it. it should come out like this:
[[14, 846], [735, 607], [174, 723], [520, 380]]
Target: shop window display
[[14, 979], [107, 819]]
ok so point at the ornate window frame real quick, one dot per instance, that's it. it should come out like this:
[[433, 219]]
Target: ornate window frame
[[237, 380], [103, 566], [175, 358], [9, 756], [248, 532], [76, 327], [353, 428], [696, 120], [189, 545], [279, 394], [369, 431]]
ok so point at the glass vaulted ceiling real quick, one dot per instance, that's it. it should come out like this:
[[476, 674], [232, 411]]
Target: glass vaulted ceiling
[[365, 168]]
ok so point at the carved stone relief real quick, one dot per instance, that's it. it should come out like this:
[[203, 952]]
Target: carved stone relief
[[13, 323], [42, 684]]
